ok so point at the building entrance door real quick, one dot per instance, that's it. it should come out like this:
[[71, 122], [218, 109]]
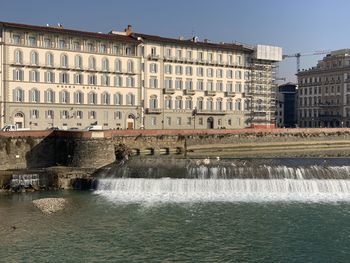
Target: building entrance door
[[210, 123], [131, 122], [18, 120]]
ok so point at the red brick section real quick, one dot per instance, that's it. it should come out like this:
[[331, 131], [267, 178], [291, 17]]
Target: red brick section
[[112, 133]]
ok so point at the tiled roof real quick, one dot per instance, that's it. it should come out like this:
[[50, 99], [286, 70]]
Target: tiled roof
[[225, 46], [60, 30]]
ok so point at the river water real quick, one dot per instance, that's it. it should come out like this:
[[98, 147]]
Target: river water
[[303, 217]]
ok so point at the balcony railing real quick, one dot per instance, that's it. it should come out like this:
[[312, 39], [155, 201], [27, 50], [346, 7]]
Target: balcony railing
[[211, 112], [329, 104], [169, 91], [230, 93], [189, 92], [210, 92], [153, 110], [153, 57], [329, 116]]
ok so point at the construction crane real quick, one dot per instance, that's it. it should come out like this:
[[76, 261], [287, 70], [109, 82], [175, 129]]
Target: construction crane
[[298, 55]]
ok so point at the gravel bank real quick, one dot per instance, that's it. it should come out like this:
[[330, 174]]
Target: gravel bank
[[50, 205]]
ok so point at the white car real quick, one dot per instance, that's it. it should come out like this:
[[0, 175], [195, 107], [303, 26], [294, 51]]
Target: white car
[[11, 127], [93, 128]]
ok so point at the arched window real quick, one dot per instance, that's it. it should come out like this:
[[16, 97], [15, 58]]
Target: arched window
[[168, 103], [34, 76], [18, 74], [34, 58], [34, 95], [229, 105], [118, 99], [238, 105], [105, 98], [78, 78], [118, 81], [153, 102], [130, 99], [50, 77], [19, 115], [178, 103], [210, 104], [92, 63], [64, 96], [18, 56], [92, 98], [18, 95], [105, 80], [64, 78], [130, 82], [49, 59], [78, 62], [219, 104], [130, 66], [50, 96], [188, 103], [199, 103], [105, 64], [92, 79], [64, 61], [118, 65], [79, 97]]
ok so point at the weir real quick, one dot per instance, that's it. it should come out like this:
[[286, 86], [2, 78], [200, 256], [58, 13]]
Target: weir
[[223, 190], [226, 181]]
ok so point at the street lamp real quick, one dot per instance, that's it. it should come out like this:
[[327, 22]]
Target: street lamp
[[194, 114]]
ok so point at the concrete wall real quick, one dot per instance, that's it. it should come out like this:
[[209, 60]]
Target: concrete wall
[[33, 149]]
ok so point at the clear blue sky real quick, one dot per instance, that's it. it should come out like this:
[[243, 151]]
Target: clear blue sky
[[295, 25]]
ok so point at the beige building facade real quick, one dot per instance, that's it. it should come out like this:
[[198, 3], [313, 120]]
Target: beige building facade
[[56, 77], [324, 92]]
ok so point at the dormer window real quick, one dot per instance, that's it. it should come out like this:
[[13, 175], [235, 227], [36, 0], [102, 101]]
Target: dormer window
[[47, 42], [16, 39], [76, 46], [103, 48], [32, 41], [62, 44], [128, 51]]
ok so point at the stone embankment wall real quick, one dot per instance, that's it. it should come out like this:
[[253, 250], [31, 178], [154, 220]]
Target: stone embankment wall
[[33, 149]]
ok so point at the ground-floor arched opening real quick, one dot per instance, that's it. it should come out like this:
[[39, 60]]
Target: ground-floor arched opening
[[210, 123], [18, 120]]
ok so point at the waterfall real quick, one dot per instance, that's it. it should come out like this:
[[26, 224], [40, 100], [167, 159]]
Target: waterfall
[[227, 180], [138, 190]]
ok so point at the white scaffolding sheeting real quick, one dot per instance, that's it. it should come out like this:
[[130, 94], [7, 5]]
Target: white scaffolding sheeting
[[271, 53]]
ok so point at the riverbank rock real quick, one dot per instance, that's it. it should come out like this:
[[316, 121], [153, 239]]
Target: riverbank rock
[[50, 205]]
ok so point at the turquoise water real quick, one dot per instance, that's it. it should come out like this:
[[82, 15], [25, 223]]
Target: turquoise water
[[95, 229]]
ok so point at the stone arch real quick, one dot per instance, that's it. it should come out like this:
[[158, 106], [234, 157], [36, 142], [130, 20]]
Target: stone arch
[[18, 119], [130, 121]]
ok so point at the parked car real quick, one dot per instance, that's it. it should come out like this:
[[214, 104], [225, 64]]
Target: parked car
[[53, 129], [11, 127], [93, 128], [73, 129]]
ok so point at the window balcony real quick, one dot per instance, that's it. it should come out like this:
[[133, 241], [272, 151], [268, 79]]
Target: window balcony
[[168, 91], [230, 93], [153, 57], [153, 110], [210, 92], [211, 112], [189, 92]]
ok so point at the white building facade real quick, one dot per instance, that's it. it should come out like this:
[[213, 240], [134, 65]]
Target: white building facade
[[55, 77]]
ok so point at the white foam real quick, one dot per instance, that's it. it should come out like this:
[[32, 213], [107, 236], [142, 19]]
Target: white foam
[[142, 190]]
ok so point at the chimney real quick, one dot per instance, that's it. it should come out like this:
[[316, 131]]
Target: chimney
[[128, 30]]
